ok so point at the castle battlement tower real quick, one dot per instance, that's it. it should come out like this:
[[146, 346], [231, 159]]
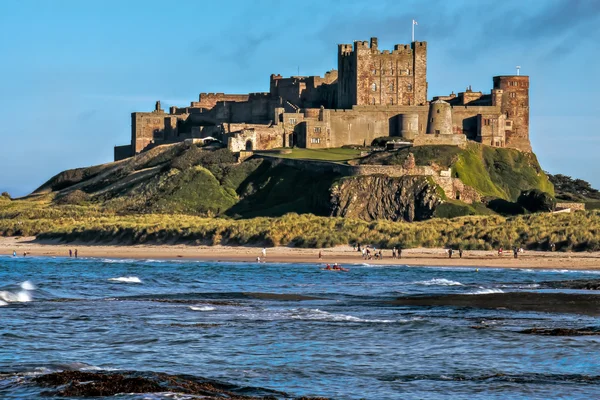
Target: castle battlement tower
[[368, 76], [514, 92]]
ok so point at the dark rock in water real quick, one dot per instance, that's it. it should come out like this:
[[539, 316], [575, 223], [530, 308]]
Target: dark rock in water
[[408, 198], [562, 331], [581, 284], [587, 304], [87, 384]]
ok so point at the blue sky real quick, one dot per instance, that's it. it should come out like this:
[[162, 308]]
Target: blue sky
[[71, 72]]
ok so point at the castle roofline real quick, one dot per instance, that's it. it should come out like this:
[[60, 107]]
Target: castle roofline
[[511, 76]]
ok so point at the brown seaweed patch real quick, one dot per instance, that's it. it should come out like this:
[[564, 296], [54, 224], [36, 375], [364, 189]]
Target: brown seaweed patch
[[578, 284], [570, 303], [282, 296], [562, 331], [88, 384]]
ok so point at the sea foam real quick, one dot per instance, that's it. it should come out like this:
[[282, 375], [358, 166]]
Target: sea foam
[[126, 279], [202, 308], [27, 286], [439, 282], [487, 291]]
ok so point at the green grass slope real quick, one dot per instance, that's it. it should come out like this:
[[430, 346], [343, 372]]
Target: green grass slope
[[498, 172]]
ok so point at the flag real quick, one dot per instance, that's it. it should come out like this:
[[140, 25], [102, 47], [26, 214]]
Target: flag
[[415, 22]]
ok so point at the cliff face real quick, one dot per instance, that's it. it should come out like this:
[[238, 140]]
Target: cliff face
[[409, 198]]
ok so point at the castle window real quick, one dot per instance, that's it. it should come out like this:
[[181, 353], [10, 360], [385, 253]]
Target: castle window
[[374, 87], [392, 71], [374, 72], [508, 123], [512, 95], [409, 87], [292, 120], [438, 110], [391, 88], [315, 140], [317, 129], [373, 101], [391, 100]]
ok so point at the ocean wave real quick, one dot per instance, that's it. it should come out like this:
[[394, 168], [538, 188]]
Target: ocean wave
[[487, 291], [115, 261], [439, 282], [202, 308], [126, 279], [320, 315], [27, 285]]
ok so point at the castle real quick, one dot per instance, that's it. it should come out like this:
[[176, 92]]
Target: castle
[[372, 94]]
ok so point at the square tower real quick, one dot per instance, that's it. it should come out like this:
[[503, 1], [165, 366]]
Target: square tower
[[514, 92], [367, 76]]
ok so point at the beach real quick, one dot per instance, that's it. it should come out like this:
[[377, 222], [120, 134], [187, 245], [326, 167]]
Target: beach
[[340, 255]]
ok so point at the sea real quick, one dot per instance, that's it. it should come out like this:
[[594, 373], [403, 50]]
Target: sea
[[294, 329]]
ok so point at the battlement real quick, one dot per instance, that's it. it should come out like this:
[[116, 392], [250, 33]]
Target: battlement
[[372, 46], [259, 95], [344, 49]]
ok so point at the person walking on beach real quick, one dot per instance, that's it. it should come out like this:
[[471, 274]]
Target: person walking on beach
[[450, 251], [460, 252], [320, 255], [70, 253], [400, 252], [264, 252], [515, 252], [75, 253], [14, 253]]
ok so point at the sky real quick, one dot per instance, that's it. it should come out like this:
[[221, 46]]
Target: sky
[[72, 71]]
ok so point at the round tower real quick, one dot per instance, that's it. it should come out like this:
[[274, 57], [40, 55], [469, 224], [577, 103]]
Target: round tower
[[409, 128], [440, 118]]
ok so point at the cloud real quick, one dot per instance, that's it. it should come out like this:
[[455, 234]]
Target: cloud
[[472, 29]]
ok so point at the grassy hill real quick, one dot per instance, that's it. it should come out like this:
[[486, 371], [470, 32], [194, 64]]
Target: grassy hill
[[179, 194], [494, 172], [176, 179]]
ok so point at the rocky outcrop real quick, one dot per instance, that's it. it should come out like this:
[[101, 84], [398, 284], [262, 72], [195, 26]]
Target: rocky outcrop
[[409, 198]]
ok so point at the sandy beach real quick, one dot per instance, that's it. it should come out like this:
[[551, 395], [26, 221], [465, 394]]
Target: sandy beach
[[340, 254]]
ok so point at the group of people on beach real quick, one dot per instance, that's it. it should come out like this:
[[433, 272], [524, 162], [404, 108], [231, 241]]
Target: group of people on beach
[[370, 252], [71, 253], [516, 250], [450, 252]]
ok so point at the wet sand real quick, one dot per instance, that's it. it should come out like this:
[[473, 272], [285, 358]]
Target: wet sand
[[340, 254]]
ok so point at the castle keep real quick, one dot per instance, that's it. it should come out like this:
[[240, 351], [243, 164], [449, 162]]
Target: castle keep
[[372, 94]]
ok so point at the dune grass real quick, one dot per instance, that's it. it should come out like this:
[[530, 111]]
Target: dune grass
[[577, 231]]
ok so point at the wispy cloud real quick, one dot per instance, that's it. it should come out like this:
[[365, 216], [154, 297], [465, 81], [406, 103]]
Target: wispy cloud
[[475, 28]]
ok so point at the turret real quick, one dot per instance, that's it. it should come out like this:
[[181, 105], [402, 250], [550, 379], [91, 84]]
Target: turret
[[409, 128], [440, 118]]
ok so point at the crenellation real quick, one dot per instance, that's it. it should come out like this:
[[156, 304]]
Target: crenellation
[[372, 93]]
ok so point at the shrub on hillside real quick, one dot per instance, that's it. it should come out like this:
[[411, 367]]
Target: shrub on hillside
[[505, 207], [5, 195], [536, 201], [76, 197]]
